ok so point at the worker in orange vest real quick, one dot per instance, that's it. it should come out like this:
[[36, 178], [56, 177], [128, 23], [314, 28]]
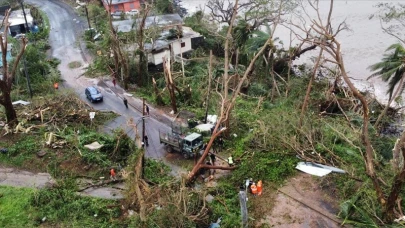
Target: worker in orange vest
[[56, 85], [112, 174], [253, 188], [259, 187]]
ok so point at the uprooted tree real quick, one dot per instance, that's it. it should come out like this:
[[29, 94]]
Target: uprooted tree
[[6, 81], [228, 102], [324, 35]]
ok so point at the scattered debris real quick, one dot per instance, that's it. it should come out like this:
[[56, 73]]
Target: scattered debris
[[21, 102], [204, 127], [400, 219], [209, 198], [93, 146], [212, 119], [317, 169]]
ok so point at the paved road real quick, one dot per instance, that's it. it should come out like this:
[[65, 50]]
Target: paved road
[[66, 29]]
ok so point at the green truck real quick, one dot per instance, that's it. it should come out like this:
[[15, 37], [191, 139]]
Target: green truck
[[189, 145]]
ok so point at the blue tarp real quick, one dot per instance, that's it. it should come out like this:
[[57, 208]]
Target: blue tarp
[[8, 58]]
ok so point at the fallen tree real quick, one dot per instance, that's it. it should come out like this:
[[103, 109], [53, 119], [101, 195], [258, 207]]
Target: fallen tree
[[228, 104]]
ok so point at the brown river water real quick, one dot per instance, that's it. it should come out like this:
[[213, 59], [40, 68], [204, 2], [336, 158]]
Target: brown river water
[[362, 45]]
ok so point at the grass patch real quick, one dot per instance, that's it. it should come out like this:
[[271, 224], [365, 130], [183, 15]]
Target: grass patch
[[62, 205], [15, 209]]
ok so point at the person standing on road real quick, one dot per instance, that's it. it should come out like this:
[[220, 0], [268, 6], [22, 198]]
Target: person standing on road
[[145, 139], [125, 102], [114, 81], [213, 158], [147, 110]]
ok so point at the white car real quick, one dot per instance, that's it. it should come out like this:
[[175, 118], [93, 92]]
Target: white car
[[132, 12], [117, 13]]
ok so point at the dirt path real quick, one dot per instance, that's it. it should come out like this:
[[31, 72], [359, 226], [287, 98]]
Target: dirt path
[[303, 203], [19, 178]]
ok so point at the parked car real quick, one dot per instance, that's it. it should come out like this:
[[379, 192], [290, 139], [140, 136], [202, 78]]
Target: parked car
[[93, 94], [117, 13], [132, 12]]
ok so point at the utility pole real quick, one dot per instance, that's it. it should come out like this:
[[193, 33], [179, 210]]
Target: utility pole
[[143, 136], [27, 29], [243, 208], [143, 120], [88, 20]]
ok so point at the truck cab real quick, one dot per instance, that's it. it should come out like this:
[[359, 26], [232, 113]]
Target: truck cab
[[192, 143], [189, 145]]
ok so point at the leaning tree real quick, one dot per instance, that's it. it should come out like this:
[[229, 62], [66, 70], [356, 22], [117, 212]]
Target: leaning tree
[[324, 35], [228, 101], [6, 80]]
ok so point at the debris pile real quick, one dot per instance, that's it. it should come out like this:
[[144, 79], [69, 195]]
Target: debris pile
[[52, 114]]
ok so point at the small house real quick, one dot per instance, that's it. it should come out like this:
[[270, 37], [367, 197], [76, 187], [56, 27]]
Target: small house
[[121, 5], [168, 44], [17, 22]]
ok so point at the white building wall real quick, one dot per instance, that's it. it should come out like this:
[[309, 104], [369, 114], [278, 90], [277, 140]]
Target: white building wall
[[176, 46], [157, 58]]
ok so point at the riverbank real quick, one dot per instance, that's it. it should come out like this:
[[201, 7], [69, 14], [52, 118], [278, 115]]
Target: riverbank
[[363, 43]]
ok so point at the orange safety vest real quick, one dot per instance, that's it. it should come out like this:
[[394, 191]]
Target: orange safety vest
[[259, 187], [56, 85], [254, 189], [112, 172]]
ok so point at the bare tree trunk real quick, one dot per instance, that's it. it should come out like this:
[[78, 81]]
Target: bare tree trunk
[[141, 46], [159, 99], [207, 100], [170, 84], [399, 88], [11, 115], [226, 50], [306, 99], [118, 54], [226, 108], [6, 81], [399, 180], [226, 60], [140, 199]]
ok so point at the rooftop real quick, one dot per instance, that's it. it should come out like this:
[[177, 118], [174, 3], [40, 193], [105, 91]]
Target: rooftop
[[192, 136], [163, 43], [158, 20], [17, 17], [114, 2]]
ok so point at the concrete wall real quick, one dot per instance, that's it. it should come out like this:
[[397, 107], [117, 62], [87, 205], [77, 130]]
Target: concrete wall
[[157, 58], [176, 46]]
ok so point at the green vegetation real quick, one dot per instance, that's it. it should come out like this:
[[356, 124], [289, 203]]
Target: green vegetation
[[267, 137], [15, 208], [62, 205]]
